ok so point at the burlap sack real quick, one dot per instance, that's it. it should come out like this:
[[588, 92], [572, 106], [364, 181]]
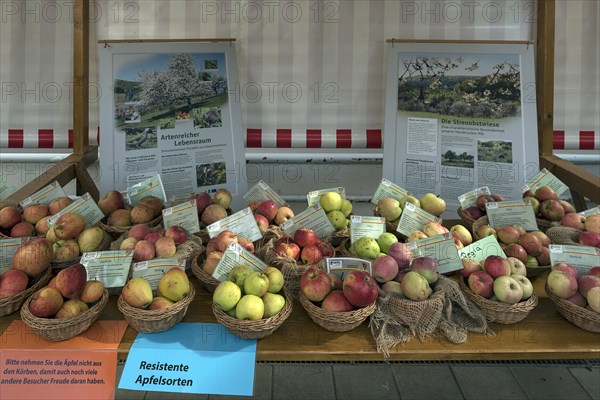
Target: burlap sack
[[447, 312], [564, 235]]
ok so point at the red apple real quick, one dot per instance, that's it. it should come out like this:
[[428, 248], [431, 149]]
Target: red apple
[[531, 244], [9, 217], [587, 238], [306, 237], [481, 283], [311, 255], [285, 239], [177, 233], [290, 250], [41, 227], [486, 230], [69, 225], [586, 282], [164, 247], [517, 251], [578, 300], [385, 268], [22, 229], [336, 301], [224, 239], [568, 207], [34, 212], [315, 284], [58, 204], [152, 237], [496, 266], [401, 253], [143, 251], [552, 210], [13, 281], [283, 214], [203, 200], [544, 257], [262, 222], [573, 220], [246, 243], [427, 267], [268, 209], [139, 231], [474, 212], [33, 256], [326, 249], [111, 201], [482, 200], [544, 193], [508, 234], [543, 237], [594, 271], [360, 288]]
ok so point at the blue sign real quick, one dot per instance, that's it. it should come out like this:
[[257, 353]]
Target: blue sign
[[191, 358]]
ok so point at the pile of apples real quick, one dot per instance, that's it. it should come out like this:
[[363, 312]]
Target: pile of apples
[[250, 295], [32, 220], [498, 279], [269, 213], [411, 278], [589, 227], [215, 248], [546, 204], [564, 282], [478, 210], [146, 209], [68, 294], [391, 209], [212, 208], [147, 243], [305, 246], [531, 248], [337, 209], [357, 290], [173, 286]]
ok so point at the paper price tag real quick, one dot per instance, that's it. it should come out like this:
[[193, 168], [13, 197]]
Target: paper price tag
[[313, 218], [315, 196], [469, 198], [413, 218], [242, 223], [590, 212], [545, 178], [184, 215], [388, 189], [84, 206], [360, 226], [261, 192], [581, 257], [8, 248], [511, 212], [152, 186], [45, 195], [111, 267], [443, 249], [481, 249], [153, 270], [234, 256], [341, 266]]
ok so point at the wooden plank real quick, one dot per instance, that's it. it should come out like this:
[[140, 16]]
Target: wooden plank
[[544, 334], [545, 75], [80, 76], [85, 183], [392, 40], [578, 179]]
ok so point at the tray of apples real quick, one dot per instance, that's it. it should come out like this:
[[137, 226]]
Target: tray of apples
[[338, 304], [121, 216], [531, 248], [67, 306], [269, 215], [500, 288], [577, 298], [204, 265], [576, 229], [252, 304], [149, 311]]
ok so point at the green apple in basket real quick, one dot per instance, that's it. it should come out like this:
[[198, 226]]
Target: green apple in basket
[[367, 247]]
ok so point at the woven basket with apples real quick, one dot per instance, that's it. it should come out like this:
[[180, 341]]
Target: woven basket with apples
[[501, 290], [576, 229], [252, 304], [120, 217], [548, 208], [212, 209], [334, 304], [577, 298], [67, 306], [205, 263], [70, 239], [472, 213], [148, 311]]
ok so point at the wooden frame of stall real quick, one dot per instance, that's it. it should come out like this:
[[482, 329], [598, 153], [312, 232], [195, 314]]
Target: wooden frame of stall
[[582, 183]]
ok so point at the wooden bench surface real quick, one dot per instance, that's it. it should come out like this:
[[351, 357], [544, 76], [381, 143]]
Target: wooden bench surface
[[544, 334]]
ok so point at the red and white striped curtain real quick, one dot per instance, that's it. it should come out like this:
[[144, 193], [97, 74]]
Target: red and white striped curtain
[[311, 72]]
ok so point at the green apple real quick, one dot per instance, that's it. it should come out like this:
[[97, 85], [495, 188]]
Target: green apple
[[231, 313], [337, 219], [389, 208], [367, 247], [433, 204], [250, 307], [385, 240], [346, 207], [256, 283], [273, 304], [226, 295], [276, 279], [352, 250], [409, 199], [238, 274], [331, 201]]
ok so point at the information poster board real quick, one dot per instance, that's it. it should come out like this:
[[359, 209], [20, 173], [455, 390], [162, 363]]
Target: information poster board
[[169, 108], [460, 116]]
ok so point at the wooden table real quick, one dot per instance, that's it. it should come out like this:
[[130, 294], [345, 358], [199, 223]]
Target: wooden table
[[544, 334]]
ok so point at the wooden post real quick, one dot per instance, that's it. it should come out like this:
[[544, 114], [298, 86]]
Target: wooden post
[[545, 75], [80, 76]]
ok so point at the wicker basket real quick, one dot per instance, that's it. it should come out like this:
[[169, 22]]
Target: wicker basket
[[478, 223], [336, 321], [564, 235], [532, 272], [56, 330], [496, 311], [255, 329], [10, 304], [106, 242], [468, 221], [116, 231], [185, 251], [152, 321], [344, 248], [579, 316], [208, 281]]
